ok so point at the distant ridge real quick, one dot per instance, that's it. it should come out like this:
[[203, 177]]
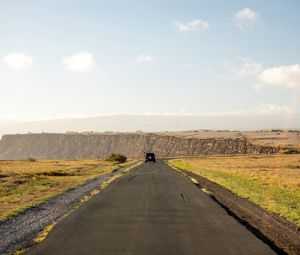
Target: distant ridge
[[132, 123], [133, 145]]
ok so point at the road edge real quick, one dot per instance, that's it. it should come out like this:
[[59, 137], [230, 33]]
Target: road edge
[[281, 235], [38, 232]]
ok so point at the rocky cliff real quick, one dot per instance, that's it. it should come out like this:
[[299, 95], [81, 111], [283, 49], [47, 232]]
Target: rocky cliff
[[80, 145]]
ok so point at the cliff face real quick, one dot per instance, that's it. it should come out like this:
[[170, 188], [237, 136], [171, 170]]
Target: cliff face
[[78, 146]]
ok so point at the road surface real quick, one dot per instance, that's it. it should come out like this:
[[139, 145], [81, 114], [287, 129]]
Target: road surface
[[152, 210]]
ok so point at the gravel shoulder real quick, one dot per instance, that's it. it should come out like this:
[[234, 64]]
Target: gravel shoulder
[[19, 231], [279, 233]]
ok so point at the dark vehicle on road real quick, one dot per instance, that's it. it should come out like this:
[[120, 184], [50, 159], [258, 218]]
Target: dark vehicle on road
[[150, 156]]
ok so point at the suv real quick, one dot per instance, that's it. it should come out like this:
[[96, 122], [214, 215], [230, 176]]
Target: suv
[[150, 157]]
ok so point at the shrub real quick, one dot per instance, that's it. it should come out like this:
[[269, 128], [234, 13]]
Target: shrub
[[291, 151], [117, 158], [31, 159], [277, 130]]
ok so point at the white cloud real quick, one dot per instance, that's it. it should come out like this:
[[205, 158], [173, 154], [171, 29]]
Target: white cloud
[[79, 62], [246, 19], [242, 67], [260, 109], [271, 109], [193, 25], [182, 112], [245, 14], [143, 58], [246, 67], [282, 76], [18, 61]]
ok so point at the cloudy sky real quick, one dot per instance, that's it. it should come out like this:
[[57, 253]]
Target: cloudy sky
[[68, 58]]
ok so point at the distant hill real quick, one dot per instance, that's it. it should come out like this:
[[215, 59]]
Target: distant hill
[[132, 123]]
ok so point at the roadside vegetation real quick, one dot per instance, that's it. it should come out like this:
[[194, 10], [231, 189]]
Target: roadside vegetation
[[118, 158], [272, 182], [26, 183]]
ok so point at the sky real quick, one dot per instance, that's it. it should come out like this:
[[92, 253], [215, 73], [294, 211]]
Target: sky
[[73, 59]]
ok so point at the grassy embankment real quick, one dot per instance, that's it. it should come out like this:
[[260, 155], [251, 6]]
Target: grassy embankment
[[24, 183], [273, 182]]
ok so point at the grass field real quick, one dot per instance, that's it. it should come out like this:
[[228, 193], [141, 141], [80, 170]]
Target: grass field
[[273, 182], [24, 183]]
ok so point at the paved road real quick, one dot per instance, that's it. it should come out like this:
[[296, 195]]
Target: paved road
[[153, 210]]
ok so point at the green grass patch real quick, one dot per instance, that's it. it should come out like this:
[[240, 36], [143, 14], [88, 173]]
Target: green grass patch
[[272, 196]]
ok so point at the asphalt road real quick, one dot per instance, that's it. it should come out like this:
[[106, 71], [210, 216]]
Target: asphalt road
[[152, 210]]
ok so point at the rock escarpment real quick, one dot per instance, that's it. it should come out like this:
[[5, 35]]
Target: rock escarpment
[[94, 145]]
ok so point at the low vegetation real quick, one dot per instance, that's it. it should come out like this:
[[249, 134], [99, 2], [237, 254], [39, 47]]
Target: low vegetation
[[273, 182], [29, 182], [31, 159], [117, 158], [291, 151]]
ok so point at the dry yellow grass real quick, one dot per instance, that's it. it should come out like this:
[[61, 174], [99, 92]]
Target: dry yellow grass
[[11, 167], [283, 170], [24, 183], [270, 181]]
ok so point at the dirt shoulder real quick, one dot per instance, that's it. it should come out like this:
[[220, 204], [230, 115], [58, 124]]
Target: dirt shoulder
[[279, 233]]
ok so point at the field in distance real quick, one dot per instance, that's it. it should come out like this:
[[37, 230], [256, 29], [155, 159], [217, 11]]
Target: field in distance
[[274, 137], [24, 183], [273, 182]]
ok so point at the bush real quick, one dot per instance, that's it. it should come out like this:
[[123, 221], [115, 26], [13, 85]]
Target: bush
[[31, 159], [277, 130], [291, 151], [117, 158]]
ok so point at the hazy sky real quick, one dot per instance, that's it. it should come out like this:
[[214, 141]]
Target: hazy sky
[[68, 58]]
